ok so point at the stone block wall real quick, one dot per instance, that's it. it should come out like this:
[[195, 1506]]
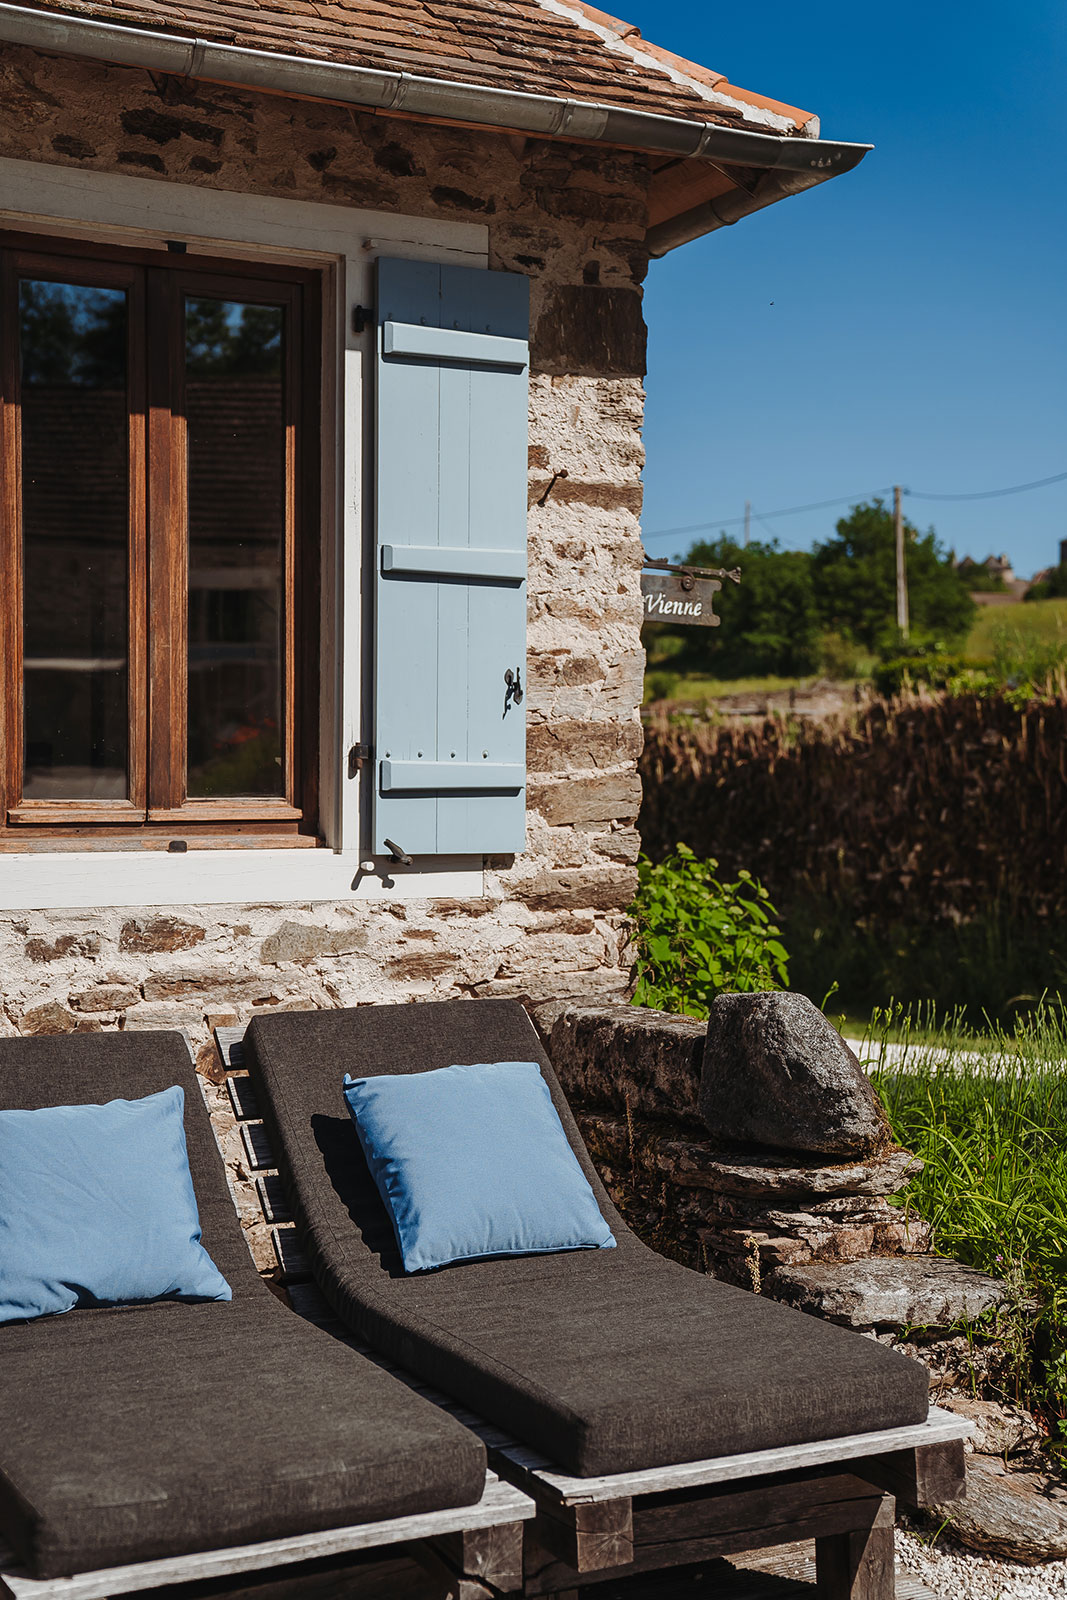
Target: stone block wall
[[817, 1230], [573, 220]]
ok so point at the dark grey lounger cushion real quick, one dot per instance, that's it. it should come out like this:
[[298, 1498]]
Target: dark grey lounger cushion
[[136, 1432], [606, 1360]]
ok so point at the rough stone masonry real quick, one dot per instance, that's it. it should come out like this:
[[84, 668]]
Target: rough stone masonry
[[715, 1141], [573, 220]]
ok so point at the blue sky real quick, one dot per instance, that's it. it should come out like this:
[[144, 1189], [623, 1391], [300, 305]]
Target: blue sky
[[902, 323]]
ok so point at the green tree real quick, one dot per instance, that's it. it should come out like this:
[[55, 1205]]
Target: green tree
[[225, 338], [69, 334], [1053, 586], [769, 622], [854, 578]]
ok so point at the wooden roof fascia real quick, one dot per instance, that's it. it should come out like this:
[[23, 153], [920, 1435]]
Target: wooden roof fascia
[[721, 210]]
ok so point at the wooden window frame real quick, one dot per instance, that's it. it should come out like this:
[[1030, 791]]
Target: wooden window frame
[[157, 583]]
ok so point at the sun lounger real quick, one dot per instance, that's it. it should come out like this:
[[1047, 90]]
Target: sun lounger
[[656, 1415], [171, 1442]]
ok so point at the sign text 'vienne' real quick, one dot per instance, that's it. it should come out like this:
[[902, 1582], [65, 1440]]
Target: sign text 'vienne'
[[680, 599]]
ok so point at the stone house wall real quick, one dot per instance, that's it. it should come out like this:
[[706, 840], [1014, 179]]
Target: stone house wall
[[573, 220]]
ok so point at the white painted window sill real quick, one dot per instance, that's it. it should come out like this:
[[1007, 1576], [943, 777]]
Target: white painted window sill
[[35, 881]]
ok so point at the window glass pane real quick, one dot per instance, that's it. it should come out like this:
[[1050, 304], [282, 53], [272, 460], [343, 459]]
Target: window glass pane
[[74, 540], [236, 440]]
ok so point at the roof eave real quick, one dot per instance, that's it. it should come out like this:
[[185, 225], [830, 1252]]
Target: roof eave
[[809, 161], [776, 183]]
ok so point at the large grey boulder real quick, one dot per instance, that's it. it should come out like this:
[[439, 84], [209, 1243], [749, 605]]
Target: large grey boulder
[[1020, 1515], [777, 1074]]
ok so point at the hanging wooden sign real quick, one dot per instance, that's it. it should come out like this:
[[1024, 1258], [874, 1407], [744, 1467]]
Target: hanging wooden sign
[[679, 598]]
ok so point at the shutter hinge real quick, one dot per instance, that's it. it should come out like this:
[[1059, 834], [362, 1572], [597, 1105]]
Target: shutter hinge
[[362, 317], [356, 757]]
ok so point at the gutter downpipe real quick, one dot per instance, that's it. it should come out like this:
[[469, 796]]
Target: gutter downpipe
[[790, 163]]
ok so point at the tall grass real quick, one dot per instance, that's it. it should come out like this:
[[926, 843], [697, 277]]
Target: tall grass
[[988, 1115]]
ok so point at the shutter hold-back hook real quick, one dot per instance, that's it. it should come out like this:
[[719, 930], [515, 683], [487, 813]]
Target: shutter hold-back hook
[[398, 854]]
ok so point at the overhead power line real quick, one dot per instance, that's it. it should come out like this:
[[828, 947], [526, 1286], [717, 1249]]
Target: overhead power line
[[989, 494], [788, 511], [851, 499]]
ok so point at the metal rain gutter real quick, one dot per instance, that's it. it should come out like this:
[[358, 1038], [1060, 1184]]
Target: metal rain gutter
[[806, 161]]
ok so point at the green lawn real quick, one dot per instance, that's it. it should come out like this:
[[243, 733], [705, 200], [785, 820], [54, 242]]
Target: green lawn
[[706, 691], [716, 688], [1021, 638], [1041, 623]]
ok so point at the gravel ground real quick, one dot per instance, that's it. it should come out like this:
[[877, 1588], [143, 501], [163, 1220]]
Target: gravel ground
[[955, 1573]]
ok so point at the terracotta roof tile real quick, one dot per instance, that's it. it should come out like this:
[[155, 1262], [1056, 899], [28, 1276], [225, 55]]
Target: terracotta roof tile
[[561, 48]]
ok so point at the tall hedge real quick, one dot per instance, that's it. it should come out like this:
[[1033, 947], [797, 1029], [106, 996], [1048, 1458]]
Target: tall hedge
[[935, 808]]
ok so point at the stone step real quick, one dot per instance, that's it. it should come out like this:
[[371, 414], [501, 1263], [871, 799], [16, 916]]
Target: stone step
[[919, 1291], [664, 1150]]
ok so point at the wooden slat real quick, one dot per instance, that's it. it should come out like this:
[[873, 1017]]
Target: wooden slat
[[753, 1512], [272, 1200], [26, 840], [230, 1043], [257, 1146], [289, 1254], [10, 546], [242, 1098], [521, 1463], [168, 546], [500, 1503]]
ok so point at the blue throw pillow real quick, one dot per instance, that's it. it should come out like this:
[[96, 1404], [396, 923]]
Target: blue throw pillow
[[97, 1207], [474, 1162]]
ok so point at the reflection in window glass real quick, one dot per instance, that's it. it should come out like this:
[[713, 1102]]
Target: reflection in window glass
[[72, 343], [236, 463]]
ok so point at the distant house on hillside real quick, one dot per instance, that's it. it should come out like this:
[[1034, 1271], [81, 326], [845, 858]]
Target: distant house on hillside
[[992, 582]]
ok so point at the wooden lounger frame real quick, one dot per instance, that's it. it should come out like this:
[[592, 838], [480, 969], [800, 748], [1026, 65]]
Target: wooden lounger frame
[[472, 1552], [487, 1535], [839, 1492]]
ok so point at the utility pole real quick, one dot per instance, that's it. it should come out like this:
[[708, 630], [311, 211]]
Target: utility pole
[[902, 574], [748, 521]]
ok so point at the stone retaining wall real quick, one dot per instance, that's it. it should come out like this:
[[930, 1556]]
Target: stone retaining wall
[[815, 1230]]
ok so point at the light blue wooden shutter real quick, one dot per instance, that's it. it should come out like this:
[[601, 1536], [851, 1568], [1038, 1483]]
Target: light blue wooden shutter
[[450, 558]]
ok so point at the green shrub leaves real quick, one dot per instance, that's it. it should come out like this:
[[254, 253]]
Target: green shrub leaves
[[696, 936]]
